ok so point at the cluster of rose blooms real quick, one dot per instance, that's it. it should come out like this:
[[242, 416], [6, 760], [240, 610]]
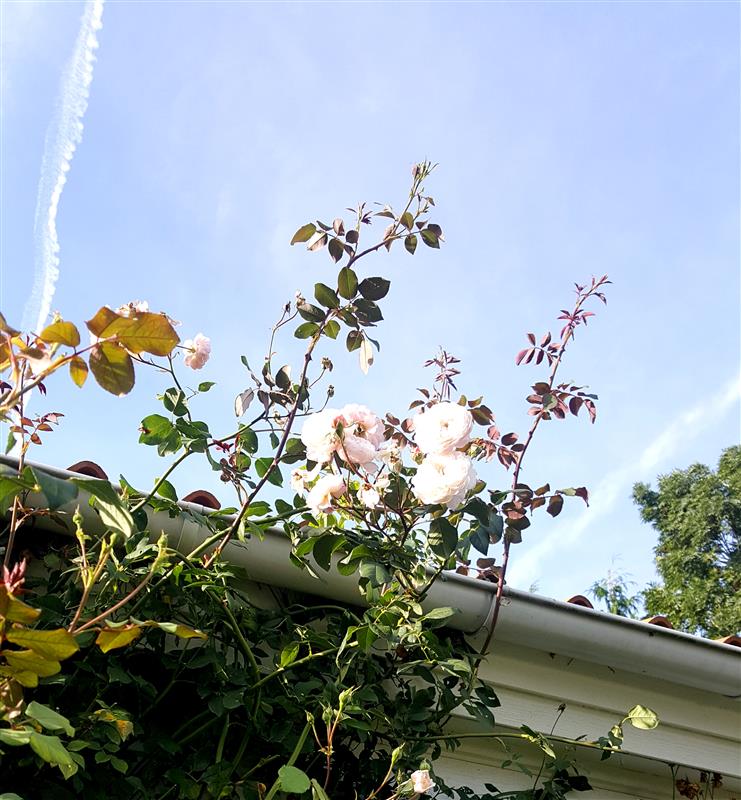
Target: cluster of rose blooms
[[354, 434]]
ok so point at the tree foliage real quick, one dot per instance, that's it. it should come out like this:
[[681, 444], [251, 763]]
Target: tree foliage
[[697, 514]]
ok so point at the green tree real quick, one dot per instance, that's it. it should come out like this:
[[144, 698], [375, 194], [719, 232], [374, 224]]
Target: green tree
[[697, 513], [614, 593]]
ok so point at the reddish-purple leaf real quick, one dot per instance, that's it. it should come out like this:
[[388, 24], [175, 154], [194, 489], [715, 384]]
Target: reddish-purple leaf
[[555, 504]]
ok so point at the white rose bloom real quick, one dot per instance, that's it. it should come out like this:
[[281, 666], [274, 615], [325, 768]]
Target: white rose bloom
[[421, 781], [382, 482], [361, 421], [390, 454], [444, 480], [362, 433], [319, 435], [324, 491], [443, 429], [357, 450], [369, 496]]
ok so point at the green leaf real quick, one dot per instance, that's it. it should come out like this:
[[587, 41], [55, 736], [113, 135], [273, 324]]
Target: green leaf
[[336, 250], [175, 402], [262, 465], [354, 340], [332, 329], [442, 538], [156, 430], [643, 718], [305, 330], [326, 296], [374, 288], [304, 233], [480, 540], [167, 490], [311, 312], [410, 243], [15, 738], [407, 220], [430, 238], [112, 368], [61, 332], [51, 750], [11, 486], [293, 780], [347, 283], [106, 501], [317, 792], [48, 718], [376, 574], [205, 386], [57, 491], [55, 645], [443, 612], [288, 654]]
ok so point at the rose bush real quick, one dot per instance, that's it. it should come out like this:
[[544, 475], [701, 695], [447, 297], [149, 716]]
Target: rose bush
[[130, 668]]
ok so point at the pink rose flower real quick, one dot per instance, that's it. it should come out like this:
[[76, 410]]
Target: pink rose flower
[[324, 491], [199, 351]]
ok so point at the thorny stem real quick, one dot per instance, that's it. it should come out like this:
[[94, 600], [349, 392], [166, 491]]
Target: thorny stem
[[278, 453], [160, 481], [130, 596], [297, 663], [292, 760], [566, 336], [14, 523]]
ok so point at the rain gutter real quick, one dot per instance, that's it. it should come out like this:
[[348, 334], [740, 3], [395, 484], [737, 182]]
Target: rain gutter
[[525, 619]]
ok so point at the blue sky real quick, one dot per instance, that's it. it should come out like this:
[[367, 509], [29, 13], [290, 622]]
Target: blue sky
[[573, 139]]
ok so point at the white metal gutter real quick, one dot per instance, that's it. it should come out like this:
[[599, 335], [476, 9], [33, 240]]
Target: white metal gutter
[[525, 619]]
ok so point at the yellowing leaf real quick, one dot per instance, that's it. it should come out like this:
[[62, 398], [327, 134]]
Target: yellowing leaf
[[78, 370], [124, 728], [29, 661], [102, 319], [112, 367], [25, 678], [144, 333], [55, 645], [113, 638], [61, 332], [5, 328], [15, 610], [183, 631], [643, 718]]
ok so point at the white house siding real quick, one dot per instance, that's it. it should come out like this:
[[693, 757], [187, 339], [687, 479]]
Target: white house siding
[[699, 730]]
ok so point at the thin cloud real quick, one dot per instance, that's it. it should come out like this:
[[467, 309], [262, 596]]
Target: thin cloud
[[62, 137], [616, 483]]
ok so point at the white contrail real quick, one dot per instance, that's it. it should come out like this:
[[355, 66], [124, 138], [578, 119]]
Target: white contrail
[[62, 137], [616, 483]]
